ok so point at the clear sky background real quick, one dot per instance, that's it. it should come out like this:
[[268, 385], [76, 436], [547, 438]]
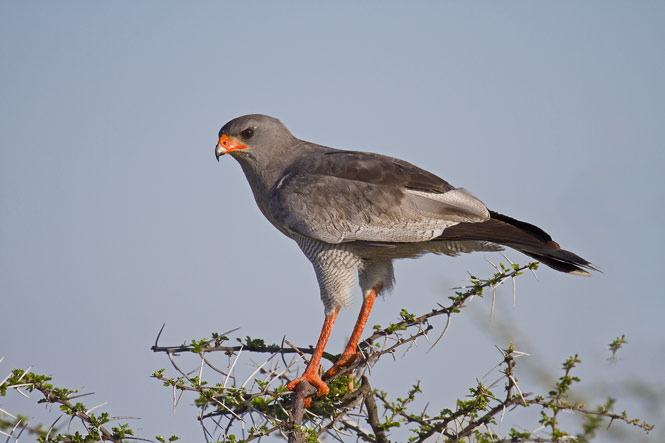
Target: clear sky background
[[115, 216]]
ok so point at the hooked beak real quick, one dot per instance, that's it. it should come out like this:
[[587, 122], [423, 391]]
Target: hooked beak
[[227, 144]]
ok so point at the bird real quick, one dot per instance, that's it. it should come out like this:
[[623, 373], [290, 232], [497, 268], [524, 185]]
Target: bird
[[353, 213]]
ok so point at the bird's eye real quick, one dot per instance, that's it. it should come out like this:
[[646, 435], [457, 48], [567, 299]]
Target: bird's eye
[[247, 133]]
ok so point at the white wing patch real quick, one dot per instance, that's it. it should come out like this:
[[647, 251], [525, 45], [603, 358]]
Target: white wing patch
[[457, 205]]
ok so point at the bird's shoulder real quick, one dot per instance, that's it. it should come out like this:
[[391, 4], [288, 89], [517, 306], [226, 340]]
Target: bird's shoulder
[[366, 167]]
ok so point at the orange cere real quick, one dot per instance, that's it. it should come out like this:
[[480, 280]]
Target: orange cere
[[230, 144]]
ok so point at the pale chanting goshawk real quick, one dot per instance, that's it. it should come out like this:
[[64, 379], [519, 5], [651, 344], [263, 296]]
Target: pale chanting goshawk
[[357, 211]]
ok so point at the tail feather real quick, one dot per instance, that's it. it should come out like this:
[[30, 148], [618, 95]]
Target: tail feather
[[524, 237]]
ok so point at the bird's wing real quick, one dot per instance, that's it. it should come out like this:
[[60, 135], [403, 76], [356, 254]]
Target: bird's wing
[[342, 196]]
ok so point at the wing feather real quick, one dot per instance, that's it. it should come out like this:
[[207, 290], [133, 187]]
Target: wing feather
[[343, 196]]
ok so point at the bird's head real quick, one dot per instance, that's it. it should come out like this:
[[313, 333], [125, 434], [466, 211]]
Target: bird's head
[[252, 135]]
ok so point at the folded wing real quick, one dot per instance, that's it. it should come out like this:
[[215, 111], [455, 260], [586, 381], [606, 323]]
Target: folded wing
[[344, 196]]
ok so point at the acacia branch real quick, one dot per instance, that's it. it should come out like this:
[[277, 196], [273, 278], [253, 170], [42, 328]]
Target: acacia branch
[[304, 416]]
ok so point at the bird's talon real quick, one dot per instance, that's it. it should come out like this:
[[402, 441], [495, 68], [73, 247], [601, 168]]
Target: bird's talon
[[313, 379]]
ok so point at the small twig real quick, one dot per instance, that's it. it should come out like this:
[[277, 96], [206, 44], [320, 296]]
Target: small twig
[[301, 353]]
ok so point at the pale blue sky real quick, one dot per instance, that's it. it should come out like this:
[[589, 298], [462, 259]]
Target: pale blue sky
[[115, 216]]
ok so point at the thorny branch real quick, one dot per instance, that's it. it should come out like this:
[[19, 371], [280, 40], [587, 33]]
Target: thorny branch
[[259, 404], [263, 406], [95, 425]]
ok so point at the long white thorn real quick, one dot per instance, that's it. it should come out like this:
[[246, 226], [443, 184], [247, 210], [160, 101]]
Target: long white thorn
[[276, 377], [445, 329], [178, 400], [95, 407], [24, 373], [7, 413], [518, 389], [232, 366], [203, 360], [227, 408], [254, 373], [5, 379], [174, 400], [507, 259], [514, 292]]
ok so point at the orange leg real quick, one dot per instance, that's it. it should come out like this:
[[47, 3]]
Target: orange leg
[[311, 373], [350, 352]]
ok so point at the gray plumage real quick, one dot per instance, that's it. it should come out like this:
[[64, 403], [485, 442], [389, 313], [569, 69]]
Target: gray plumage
[[355, 211]]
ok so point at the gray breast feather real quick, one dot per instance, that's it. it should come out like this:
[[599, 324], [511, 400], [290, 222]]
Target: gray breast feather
[[337, 210]]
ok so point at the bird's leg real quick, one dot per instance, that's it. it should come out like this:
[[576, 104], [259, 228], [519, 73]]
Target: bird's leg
[[311, 373], [349, 354]]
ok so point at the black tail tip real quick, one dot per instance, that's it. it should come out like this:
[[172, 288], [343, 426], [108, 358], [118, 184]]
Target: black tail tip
[[566, 261]]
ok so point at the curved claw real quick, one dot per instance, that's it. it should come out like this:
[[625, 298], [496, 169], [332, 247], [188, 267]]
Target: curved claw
[[314, 379]]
